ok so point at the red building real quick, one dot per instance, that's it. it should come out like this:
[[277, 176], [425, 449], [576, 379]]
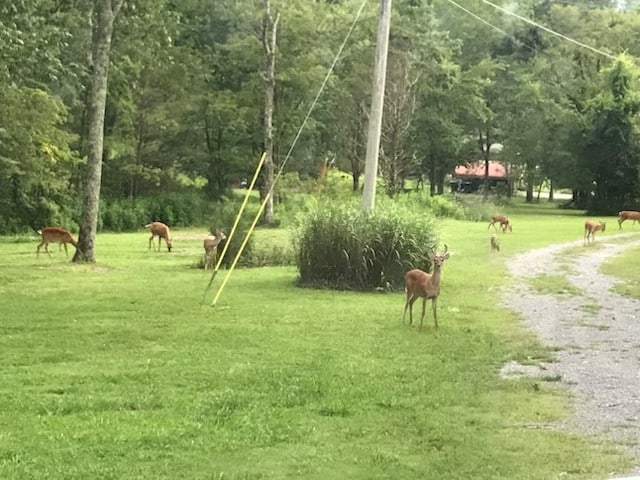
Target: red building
[[469, 178]]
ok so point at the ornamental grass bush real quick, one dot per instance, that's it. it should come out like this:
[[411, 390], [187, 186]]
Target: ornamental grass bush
[[339, 246]]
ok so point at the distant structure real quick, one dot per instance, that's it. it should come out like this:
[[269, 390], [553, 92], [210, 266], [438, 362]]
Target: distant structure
[[470, 178]]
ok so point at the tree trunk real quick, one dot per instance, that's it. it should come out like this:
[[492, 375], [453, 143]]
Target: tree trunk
[[432, 175], [269, 44], [529, 197], [550, 190], [485, 145], [105, 11]]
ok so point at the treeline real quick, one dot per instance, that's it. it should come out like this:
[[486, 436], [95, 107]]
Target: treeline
[[186, 97]]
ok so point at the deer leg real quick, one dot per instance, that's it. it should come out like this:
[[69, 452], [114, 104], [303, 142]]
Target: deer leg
[[46, 249], [434, 304], [65, 250], [38, 249], [150, 241], [424, 305], [404, 315]]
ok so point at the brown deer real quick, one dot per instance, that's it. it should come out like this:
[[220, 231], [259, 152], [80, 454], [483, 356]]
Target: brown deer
[[160, 230], [628, 215], [55, 235], [495, 243], [419, 284], [505, 223], [211, 248], [590, 229]]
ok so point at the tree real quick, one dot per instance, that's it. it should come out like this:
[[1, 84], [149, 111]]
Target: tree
[[611, 151], [104, 14], [270, 33]]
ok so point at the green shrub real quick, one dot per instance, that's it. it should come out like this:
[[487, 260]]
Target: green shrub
[[175, 209], [339, 246], [223, 215]]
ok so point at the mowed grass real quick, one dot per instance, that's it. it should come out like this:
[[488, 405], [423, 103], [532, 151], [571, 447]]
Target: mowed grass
[[117, 371], [626, 267]]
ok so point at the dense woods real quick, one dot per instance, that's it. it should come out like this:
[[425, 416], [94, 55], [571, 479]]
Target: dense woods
[[185, 105]]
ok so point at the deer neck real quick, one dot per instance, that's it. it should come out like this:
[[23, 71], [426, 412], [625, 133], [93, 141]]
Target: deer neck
[[435, 278]]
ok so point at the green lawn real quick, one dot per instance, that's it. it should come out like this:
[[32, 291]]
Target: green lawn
[[116, 370], [626, 268]]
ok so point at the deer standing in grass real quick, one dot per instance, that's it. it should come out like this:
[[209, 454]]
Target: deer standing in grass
[[55, 235], [495, 243], [211, 248], [590, 229], [419, 284], [505, 223], [160, 230], [628, 215]]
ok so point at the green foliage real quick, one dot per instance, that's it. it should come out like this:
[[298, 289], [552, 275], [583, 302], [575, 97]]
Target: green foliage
[[611, 154], [174, 209], [36, 160], [339, 246]]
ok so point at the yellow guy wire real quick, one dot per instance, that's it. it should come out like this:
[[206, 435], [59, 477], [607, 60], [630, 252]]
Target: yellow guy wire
[[237, 221], [244, 244]]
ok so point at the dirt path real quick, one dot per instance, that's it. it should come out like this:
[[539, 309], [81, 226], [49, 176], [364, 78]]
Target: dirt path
[[597, 335]]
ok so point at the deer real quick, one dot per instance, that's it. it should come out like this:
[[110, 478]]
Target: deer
[[160, 230], [419, 284], [590, 229], [55, 235], [495, 243], [211, 247], [628, 215], [505, 223]]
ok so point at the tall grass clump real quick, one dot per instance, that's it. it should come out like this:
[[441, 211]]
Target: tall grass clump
[[339, 246], [223, 215]]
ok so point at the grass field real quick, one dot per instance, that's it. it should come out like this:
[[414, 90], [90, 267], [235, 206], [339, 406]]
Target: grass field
[[117, 371], [626, 268]]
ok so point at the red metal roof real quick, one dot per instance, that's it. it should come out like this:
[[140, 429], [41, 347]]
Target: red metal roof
[[476, 170]]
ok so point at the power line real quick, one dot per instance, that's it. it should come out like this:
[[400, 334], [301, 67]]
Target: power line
[[497, 29], [548, 30]]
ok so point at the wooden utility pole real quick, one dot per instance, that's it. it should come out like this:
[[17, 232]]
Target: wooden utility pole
[[377, 105]]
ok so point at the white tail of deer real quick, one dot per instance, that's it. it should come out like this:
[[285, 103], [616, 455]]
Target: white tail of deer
[[419, 284], [55, 235], [495, 243], [590, 229], [160, 230], [211, 248], [504, 222], [628, 215]]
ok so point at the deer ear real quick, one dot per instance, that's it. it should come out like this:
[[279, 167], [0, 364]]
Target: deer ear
[[447, 255]]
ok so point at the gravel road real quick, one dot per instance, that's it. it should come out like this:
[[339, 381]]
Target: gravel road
[[596, 332]]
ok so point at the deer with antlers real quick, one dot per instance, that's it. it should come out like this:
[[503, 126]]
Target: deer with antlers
[[419, 284], [160, 230], [590, 229], [211, 248], [55, 235], [504, 222], [628, 215]]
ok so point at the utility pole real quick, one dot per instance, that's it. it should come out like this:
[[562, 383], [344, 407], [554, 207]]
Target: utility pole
[[377, 105]]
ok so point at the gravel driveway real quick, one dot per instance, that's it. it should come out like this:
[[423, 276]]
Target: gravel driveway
[[596, 332]]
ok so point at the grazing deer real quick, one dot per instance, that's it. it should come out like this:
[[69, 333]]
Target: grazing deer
[[211, 248], [628, 215], [590, 229], [505, 223], [55, 235], [495, 243], [419, 284], [160, 230]]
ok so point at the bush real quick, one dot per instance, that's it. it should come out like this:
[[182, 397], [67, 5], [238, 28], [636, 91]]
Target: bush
[[339, 246], [174, 209]]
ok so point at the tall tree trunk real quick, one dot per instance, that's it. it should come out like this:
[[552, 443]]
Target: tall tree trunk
[[432, 175], [485, 145], [550, 190], [269, 35], [104, 13]]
